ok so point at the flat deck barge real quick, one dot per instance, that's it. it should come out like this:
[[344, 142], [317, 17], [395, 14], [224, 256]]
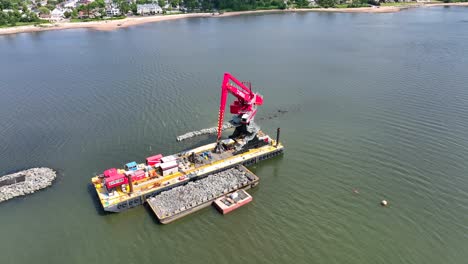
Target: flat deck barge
[[131, 186], [184, 200]]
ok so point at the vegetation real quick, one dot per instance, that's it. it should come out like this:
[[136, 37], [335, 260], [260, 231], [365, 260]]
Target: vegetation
[[301, 3], [359, 3], [96, 19], [326, 3], [17, 14], [233, 5], [44, 10]]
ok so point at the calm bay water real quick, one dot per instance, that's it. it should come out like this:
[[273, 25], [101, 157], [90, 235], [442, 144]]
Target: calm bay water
[[376, 102]]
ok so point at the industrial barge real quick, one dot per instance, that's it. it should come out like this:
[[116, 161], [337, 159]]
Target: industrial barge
[[128, 187], [184, 200]]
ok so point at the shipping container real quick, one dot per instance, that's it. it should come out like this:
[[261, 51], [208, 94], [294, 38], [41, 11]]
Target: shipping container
[[169, 158], [131, 166], [168, 165], [115, 180], [138, 175], [110, 172], [153, 159]]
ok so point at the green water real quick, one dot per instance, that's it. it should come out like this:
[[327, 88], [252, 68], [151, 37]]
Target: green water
[[376, 103]]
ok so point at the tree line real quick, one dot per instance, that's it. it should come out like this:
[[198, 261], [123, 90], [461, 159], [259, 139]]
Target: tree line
[[17, 12]]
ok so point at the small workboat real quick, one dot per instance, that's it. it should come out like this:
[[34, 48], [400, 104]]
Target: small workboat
[[232, 201]]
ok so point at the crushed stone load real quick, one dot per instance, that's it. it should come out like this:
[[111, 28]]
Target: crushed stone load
[[25, 182], [198, 192], [205, 131]]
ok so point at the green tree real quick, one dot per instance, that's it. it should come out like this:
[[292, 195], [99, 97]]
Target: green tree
[[191, 4], [134, 8], [44, 10], [175, 3], [74, 14], [326, 3], [161, 3], [5, 4], [50, 7], [207, 5], [67, 14], [301, 3], [13, 20], [3, 19], [124, 7]]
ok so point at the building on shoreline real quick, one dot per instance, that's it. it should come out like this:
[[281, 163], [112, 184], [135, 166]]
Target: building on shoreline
[[112, 11], [149, 9]]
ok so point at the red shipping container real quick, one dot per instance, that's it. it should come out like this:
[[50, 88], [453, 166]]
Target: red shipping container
[[138, 175], [115, 180], [151, 161], [110, 172]]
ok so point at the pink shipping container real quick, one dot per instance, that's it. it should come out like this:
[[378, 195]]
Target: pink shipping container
[[138, 175], [153, 159], [110, 172]]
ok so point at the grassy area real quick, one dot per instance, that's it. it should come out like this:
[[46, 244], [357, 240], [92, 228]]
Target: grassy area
[[173, 13], [96, 19], [18, 24]]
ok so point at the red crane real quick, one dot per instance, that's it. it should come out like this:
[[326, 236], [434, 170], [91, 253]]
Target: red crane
[[245, 105]]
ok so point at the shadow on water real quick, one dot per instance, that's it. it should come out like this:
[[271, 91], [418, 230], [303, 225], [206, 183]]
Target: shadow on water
[[274, 162], [95, 200], [153, 217]]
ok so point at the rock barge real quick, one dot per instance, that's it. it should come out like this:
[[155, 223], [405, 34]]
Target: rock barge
[[183, 200], [25, 182]]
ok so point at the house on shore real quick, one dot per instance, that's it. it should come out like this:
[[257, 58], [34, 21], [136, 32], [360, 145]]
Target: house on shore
[[112, 10], [70, 4], [57, 14], [149, 9]]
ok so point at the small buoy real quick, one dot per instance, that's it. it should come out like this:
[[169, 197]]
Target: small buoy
[[384, 203]]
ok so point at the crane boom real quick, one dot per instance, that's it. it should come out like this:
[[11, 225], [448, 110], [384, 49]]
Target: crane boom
[[245, 105]]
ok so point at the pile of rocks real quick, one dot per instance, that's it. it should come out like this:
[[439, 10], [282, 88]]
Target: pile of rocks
[[25, 182], [206, 131], [195, 193]]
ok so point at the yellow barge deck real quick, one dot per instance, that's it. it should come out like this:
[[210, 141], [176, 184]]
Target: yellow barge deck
[[121, 199]]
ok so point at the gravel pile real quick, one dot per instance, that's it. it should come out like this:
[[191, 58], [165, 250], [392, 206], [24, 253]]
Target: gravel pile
[[35, 179], [195, 193], [211, 130]]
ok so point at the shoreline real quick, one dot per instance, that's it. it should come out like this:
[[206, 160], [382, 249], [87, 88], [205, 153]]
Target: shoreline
[[106, 25]]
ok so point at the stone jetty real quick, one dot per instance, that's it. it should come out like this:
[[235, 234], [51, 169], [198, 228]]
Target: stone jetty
[[25, 182], [205, 131], [196, 193]]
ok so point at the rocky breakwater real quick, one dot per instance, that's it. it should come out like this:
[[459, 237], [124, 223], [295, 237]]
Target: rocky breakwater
[[25, 182], [199, 192]]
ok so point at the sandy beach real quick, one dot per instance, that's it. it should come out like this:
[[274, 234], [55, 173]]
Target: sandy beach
[[132, 21]]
